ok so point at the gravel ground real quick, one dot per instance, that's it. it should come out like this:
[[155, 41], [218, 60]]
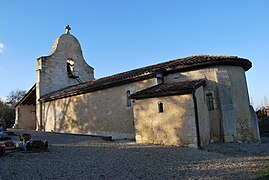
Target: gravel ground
[[87, 157]]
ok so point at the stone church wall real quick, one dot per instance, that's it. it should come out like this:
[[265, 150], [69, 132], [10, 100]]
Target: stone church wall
[[203, 116], [108, 112], [231, 119], [240, 104], [102, 112], [52, 70], [27, 117], [210, 75], [175, 126]]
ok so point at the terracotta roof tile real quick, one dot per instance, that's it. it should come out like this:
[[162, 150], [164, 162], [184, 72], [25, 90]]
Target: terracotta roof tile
[[182, 64], [166, 89]]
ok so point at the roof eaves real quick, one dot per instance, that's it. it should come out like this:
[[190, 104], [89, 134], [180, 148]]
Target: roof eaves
[[162, 94], [245, 64], [26, 95], [91, 89], [189, 90]]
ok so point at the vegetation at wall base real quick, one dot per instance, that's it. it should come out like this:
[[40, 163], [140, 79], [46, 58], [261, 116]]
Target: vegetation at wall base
[[264, 174]]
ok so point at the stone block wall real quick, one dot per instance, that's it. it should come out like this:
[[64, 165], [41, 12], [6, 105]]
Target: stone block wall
[[175, 126], [238, 93], [52, 71], [27, 117], [203, 116], [211, 86], [231, 119], [102, 112]]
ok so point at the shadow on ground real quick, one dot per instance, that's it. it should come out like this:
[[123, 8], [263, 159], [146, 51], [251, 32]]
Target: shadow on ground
[[86, 157]]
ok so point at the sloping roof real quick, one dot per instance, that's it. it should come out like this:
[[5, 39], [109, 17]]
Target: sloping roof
[[168, 89], [182, 64], [29, 98], [95, 85]]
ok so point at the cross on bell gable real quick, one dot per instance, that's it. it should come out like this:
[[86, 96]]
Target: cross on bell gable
[[67, 29]]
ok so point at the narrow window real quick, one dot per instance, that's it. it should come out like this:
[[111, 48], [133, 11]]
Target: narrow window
[[160, 107], [210, 101], [70, 67], [129, 101]]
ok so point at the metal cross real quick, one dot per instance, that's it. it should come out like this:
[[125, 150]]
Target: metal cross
[[67, 29]]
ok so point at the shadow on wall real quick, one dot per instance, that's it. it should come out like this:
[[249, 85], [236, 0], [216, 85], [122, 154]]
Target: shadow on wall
[[64, 115], [100, 112]]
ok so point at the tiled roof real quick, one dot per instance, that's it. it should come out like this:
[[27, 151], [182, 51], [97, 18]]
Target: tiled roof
[[182, 64], [166, 89]]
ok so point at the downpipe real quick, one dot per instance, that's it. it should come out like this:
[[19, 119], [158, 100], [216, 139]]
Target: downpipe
[[196, 120]]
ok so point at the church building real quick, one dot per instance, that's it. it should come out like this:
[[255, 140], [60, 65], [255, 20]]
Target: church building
[[190, 101]]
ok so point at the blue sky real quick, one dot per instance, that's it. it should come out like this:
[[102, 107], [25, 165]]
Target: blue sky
[[120, 35]]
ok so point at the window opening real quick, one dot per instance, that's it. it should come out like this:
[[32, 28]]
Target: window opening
[[129, 101], [160, 107], [70, 68], [210, 101]]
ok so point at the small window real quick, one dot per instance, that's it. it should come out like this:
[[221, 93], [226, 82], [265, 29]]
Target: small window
[[210, 101], [129, 101], [70, 67], [160, 107]]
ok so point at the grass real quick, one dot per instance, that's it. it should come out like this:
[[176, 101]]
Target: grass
[[264, 174]]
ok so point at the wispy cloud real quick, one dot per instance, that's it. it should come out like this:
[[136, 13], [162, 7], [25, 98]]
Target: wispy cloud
[[2, 47]]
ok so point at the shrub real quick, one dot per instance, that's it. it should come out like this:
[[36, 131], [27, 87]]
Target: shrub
[[263, 116]]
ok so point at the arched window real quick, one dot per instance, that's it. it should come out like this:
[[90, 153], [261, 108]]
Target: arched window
[[129, 101], [160, 107], [70, 66], [210, 101]]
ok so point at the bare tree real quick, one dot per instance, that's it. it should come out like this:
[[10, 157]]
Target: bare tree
[[15, 96]]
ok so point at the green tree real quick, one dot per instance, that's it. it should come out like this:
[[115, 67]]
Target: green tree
[[7, 108], [7, 114]]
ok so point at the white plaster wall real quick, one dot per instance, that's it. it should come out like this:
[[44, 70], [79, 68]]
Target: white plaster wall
[[102, 112]]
